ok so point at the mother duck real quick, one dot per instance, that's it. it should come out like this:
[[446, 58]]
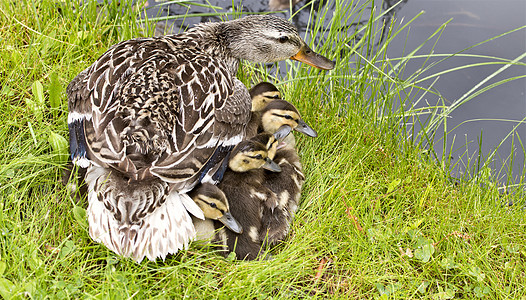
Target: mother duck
[[152, 117]]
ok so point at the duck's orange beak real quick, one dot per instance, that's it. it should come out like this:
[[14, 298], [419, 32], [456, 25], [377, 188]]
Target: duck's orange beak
[[306, 55]]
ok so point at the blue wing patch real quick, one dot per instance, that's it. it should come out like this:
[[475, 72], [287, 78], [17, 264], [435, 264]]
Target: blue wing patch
[[220, 156], [218, 176], [77, 140]]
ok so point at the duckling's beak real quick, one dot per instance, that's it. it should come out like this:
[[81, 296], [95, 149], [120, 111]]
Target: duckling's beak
[[305, 129], [314, 59], [271, 165], [282, 132], [231, 223]]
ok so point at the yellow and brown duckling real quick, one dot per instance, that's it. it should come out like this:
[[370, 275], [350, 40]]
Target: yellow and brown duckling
[[270, 112], [262, 94], [280, 113], [247, 197], [286, 187], [214, 204]]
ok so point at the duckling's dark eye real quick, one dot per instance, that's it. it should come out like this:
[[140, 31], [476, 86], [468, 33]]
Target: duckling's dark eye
[[288, 117], [283, 39], [259, 156], [212, 204]]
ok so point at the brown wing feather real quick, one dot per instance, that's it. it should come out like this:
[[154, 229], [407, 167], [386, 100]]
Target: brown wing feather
[[161, 112], [78, 94]]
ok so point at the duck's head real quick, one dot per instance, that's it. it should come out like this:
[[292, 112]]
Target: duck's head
[[214, 205], [279, 113], [249, 155], [267, 39], [262, 94]]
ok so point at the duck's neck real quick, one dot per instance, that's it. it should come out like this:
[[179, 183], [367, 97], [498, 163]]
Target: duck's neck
[[215, 39]]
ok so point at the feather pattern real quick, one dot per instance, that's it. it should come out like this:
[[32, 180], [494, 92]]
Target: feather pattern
[[153, 106], [141, 223], [149, 114]]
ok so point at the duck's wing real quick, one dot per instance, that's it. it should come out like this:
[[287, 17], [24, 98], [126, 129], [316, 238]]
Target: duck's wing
[[216, 110], [92, 97], [235, 115], [154, 107]]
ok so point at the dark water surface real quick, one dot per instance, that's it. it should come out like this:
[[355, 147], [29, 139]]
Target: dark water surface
[[473, 21]]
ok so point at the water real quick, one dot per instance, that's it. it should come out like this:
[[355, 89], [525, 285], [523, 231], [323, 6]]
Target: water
[[472, 22]]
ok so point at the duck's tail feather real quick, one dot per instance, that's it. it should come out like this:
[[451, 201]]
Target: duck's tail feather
[[191, 207], [120, 220], [165, 231]]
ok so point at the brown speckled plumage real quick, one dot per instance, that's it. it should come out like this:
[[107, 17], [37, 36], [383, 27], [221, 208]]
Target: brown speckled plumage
[[151, 112]]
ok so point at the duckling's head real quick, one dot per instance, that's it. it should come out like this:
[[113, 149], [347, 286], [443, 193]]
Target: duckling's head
[[262, 94], [249, 155], [214, 205], [267, 39], [279, 113], [271, 141]]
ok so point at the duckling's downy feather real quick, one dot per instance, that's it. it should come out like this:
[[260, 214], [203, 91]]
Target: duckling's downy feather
[[287, 187]]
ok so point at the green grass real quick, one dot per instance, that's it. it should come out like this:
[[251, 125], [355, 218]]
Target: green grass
[[380, 216]]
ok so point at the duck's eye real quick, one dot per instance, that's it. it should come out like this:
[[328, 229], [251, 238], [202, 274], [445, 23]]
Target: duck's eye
[[288, 117], [213, 205], [275, 96], [259, 156], [283, 39]]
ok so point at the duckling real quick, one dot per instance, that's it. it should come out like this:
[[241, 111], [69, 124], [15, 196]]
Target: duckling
[[279, 113], [153, 117], [261, 94], [215, 206], [246, 168], [271, 114], [286, 186], [242, 186]]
